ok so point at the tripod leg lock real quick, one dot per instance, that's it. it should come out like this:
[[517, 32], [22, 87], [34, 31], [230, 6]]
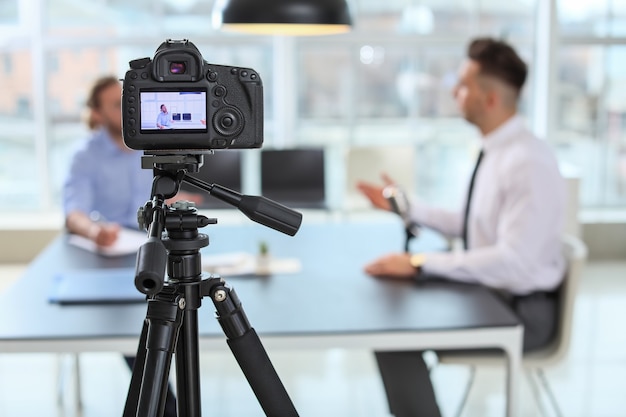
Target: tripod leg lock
[[230, 314], [165, 316]]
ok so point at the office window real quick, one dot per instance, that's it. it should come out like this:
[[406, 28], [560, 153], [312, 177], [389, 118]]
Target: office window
[[120, 18], [389, 81], [9, 12], [8, 63], [590, 103], [591, 120], [19, 163], [583, 18]]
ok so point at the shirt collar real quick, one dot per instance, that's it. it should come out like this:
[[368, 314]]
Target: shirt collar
[[504, 133], [108, 143]]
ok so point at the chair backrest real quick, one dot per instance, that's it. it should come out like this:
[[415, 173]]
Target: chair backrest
[[575, 252]]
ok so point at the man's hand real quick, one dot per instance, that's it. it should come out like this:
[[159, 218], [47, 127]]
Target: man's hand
[[104, 234], [395, 265], [374, 192]]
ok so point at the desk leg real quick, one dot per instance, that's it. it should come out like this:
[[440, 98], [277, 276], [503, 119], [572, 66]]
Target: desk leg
[[78, 397], [513, 350]]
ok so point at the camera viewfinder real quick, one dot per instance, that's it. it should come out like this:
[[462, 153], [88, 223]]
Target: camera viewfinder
[[177, 67]]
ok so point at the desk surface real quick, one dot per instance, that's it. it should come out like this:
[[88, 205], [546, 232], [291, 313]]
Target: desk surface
[[330, 295]]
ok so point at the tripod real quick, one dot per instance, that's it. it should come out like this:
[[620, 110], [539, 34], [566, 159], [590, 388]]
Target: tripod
[[171, 324]]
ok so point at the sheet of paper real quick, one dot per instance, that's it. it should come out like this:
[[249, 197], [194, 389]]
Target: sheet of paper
[[127, 243], [242, 263]]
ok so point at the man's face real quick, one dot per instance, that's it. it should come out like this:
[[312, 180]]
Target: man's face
[[470, 96], [110, 110], [164, 109]]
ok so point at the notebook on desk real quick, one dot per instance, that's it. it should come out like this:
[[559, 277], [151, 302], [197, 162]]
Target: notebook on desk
[[95, 286]]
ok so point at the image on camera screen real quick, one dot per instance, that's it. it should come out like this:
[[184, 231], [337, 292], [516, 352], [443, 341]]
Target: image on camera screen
[[162, 111]]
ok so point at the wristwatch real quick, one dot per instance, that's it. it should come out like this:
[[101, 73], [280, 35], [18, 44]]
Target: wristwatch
[[417, 260]]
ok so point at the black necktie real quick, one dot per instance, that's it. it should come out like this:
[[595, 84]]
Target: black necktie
[[469, 199]]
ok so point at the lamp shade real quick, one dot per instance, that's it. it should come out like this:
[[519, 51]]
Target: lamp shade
[[283, 17]]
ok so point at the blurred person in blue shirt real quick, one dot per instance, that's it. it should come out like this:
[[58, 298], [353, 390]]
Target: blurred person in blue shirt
[[106, 184]]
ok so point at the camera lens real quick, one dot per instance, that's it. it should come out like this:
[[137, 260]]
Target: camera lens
[[177, 67]]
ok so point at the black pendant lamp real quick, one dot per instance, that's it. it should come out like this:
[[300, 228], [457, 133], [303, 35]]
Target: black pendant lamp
[[283, 17]]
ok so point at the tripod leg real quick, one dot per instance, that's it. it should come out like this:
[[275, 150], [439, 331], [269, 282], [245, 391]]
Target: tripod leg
[[187, 366], [251, 355], [147, 393], [132, 398]]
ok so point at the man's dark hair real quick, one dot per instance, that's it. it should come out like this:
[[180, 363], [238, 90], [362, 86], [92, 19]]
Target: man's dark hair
[[499, 60], [101, 84], [93, 98]]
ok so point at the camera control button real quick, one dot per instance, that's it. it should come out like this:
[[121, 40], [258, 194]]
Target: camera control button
[[244, 73], [219, 91], [132, 110], [211, 75], [144, 75], [133, 75], [132, 121]]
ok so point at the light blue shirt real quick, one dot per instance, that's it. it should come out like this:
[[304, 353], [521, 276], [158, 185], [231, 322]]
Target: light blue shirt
[[163, 119], [107, 181]]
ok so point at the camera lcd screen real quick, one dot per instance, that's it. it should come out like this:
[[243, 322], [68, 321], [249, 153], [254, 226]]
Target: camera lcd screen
[[163, 111]]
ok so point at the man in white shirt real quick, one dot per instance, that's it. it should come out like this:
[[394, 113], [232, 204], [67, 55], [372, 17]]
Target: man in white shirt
[[511, 221]]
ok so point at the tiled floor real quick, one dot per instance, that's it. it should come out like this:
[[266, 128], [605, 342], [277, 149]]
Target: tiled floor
[[589, 383]]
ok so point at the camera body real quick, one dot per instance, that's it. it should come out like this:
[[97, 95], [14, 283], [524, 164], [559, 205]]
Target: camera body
[[180, 102]]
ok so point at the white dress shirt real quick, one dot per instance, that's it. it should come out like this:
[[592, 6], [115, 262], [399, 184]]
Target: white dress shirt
[[516, 217]]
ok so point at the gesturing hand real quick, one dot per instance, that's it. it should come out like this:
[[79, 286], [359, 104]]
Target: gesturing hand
[[374, 192]]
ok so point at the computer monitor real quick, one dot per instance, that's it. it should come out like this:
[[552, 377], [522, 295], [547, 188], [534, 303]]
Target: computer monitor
[[294, 177], [223, 168]]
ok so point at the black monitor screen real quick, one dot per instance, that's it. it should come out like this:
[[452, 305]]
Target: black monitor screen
[[294, 177], [223, 168]]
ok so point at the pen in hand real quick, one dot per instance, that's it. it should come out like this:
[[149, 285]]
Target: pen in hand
[[101, 232]]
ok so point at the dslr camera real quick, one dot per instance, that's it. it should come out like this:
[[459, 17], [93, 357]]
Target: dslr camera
[[179, 103]]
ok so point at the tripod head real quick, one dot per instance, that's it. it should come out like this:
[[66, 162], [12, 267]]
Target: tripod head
[[181, 219]]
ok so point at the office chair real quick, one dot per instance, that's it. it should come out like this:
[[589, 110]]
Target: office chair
[[534, 362]]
